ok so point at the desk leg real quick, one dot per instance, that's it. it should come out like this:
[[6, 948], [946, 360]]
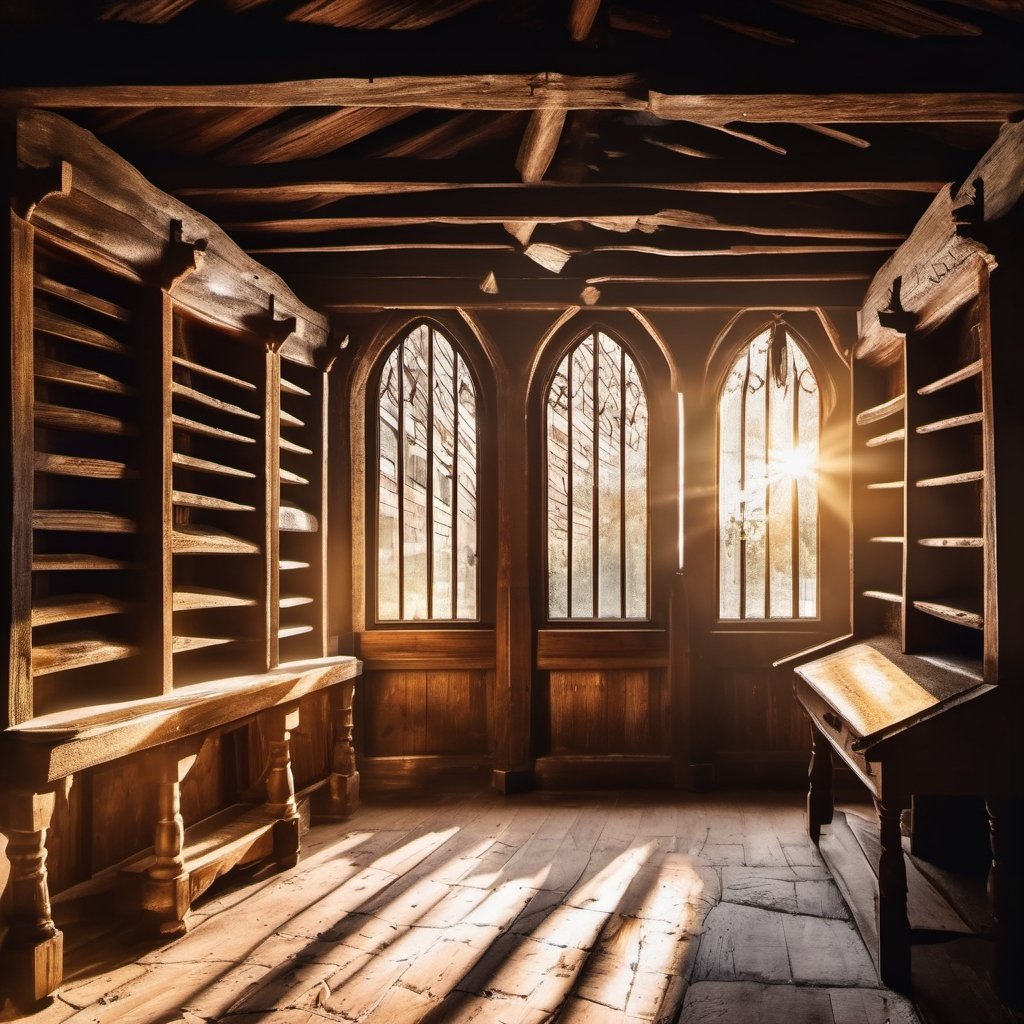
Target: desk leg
[[819, 784], [1006, 892], [893, 926], [33, 955], [281, 787]]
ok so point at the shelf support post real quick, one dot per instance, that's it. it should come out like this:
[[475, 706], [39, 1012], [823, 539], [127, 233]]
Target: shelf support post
[[281, 803]]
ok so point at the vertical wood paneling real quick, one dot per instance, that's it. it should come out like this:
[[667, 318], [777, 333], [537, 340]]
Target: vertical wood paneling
[[202, 792], [456, 712], [122, 812], [311, 742]]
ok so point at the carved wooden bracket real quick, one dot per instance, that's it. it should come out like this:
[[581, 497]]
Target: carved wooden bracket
[[37, 184], [278, 331], [181, 258], [325, 357], [895, 316]]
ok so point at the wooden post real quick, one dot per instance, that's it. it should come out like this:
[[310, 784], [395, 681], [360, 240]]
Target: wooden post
[[33, 954], [342, 796], [272, 505], [281, 786], [820, 806], [165, 889], [893, 926], [1006, 891], [679, 681]]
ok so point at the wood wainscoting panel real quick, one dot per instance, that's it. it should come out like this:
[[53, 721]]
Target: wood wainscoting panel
[[610, 711], [415, 712]]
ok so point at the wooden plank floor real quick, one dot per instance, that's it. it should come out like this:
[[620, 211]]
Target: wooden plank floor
[[602, 908]]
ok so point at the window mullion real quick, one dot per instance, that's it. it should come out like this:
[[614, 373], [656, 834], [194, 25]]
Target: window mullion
[[622, 482], [430, 473], [457, 418], [743, 487], [795, 496], [595, 485], [401, 480]]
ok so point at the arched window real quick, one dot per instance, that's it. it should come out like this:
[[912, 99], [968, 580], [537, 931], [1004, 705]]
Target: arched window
[[597, 503], [769, 421], [427, 512]]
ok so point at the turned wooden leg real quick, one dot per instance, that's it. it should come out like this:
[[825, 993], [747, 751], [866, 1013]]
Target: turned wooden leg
[[281, 788], [1006, 892], [343, 782], [165, 891], [893, 926], [33, 954], [820, 806]]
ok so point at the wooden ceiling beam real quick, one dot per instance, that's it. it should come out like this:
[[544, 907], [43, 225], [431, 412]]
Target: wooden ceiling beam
[[581, 18], [537, 91]]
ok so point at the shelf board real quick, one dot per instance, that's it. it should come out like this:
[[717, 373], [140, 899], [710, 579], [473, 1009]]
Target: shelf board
[[974, 476], [76, 520], [891, 438], [881, 411], [884, 595], [195, 427], [951, 422], [64, 418], [200, 598], [200, 398], [74, 562], [205, 540], [206, 371], [288, 420], [61, 290], [288, 477], [952, 542], [291, 446], [292, 519], [57, 657], [288, 564], [286, 631], [71, 607], [76, 465], [295, 600], [77, 376], [956, 377], [180, 644], [291, 388], [886, 540], [948, 613], [190, 499], [886, 485], [61, 327], [206, 466]]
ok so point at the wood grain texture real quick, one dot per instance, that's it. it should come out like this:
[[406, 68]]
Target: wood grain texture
[[427, 648], [601, 648]]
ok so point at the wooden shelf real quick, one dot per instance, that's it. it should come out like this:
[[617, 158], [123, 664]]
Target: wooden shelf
[[200, 398], [295, 600], [286, 631], [886, 540], [78, 653], [288, 564], [237, 382], [75, 465], [960, 616], [288, 420], [884, 595], [287, 477], [205, 540], [206, 466], [950, 423], [80, 521], [64, 418], [47, 284], [952, 542], [291, 446], [76, 376], [62, 327], [200, 598], [974, 476], [292, 519], [181, 644], [892, 437], [880, 412], [71, 607], [887, 485], [956, 377], [191, 500], [290, 388], [76, 562], [195, 427]]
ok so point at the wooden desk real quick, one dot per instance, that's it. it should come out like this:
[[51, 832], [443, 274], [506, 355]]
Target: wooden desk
[[908, 725]]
